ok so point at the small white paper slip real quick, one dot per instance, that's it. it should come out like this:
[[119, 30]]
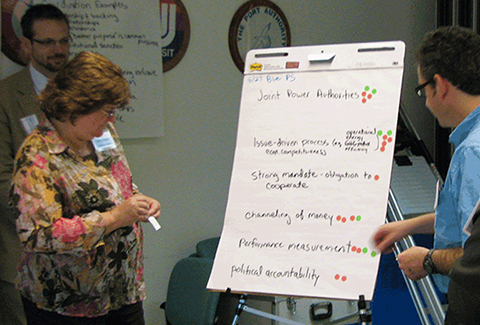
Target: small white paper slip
[[104, 142], [154, 223], [469, 224]]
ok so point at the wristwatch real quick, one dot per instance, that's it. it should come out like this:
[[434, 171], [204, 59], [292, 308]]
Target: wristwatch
[[428, 264]]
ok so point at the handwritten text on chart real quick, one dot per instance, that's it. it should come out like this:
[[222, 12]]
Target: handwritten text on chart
[[271, 78], [306, 247], [361, 141], [302, 94], [302, 215], [301, 273], [280, 180], [364, 95]]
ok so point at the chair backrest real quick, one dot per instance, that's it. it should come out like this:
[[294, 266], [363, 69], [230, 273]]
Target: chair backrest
[[188, 300], [208, 247]]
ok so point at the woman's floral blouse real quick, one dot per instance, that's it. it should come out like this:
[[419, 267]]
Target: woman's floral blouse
[[69, 265]]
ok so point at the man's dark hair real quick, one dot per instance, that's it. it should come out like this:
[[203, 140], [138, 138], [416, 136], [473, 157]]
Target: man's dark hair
[[37, 12], [454, 53]]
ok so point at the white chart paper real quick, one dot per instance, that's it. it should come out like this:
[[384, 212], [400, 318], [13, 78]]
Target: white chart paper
[[311, 171]]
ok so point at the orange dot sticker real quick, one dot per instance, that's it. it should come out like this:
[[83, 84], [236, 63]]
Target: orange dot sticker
[[386, 138], [367, 94]]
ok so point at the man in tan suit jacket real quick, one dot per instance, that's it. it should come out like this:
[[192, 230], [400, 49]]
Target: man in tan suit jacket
[[46, 42]]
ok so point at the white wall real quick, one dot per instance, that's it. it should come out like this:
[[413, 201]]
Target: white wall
[[188, 169]]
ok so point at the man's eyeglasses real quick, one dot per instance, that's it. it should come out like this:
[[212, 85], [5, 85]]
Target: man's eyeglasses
[[420, 90], [110, 113], [51, 42]]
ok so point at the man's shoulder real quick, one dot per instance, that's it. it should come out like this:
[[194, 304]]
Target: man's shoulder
[[473, 138], [18, 84], [24, 73], [17, 79]]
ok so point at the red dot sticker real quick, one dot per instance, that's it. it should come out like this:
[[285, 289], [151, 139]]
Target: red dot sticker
[[339, 218], [352, 218], [338, 277], [377, 177]]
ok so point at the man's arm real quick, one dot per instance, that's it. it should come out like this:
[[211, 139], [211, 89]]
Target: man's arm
[[17, 101], [445, 258], [411, 260], [6, 154], [387, 235]]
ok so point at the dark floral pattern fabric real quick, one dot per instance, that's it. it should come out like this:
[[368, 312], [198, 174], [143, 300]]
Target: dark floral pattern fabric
[[69, 265]]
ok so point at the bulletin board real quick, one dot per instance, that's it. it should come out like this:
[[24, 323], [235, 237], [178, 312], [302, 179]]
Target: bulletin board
[[311, 171], [128, 33]]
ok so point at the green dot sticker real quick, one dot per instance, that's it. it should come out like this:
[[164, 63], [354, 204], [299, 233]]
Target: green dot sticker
[[367, 88], [379, 133], [359, 218], [373, 254], [390, 132], [365, 250]]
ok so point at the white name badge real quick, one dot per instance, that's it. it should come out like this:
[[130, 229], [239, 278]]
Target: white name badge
[[104, 142], [29, 123]]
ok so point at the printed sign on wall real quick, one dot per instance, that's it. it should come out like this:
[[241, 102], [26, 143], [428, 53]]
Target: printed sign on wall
[[119, 30]]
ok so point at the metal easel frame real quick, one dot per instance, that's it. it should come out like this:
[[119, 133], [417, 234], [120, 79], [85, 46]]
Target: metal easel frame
[[363, 316], [423, 291], [242, 306]]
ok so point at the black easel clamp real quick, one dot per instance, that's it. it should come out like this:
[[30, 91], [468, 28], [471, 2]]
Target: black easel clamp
[[364, 312]]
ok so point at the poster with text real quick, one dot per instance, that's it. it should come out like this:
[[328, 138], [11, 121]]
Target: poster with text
[[128, 33], [311, 171]]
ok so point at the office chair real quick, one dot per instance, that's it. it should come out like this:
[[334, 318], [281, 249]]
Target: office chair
[[188, 300], [208, 247]]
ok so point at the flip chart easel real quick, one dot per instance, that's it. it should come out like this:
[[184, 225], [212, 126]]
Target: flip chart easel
[[311, 171]]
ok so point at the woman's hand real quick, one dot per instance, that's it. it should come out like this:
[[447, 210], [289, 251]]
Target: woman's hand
[[137, 208], [155, 208]]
